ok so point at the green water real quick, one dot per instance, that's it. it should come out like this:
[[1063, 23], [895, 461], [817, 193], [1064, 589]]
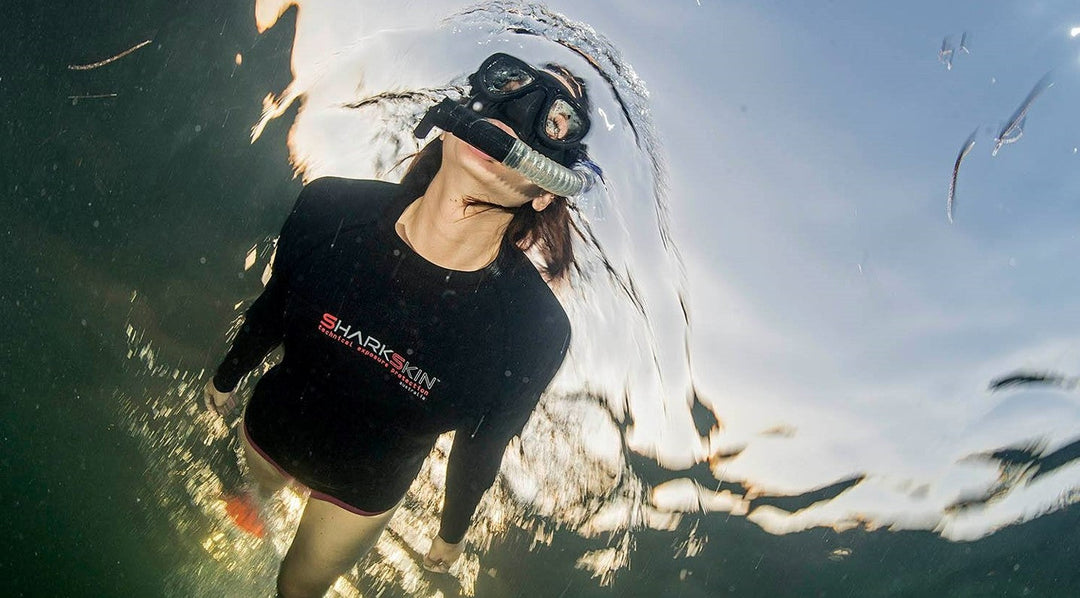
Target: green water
[[157, 192]]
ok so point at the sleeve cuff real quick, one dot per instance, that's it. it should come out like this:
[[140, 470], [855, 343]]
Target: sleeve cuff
[[222, 387], [451, 539]]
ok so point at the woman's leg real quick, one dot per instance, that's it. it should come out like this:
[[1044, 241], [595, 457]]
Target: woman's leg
[[329, 541], [267, 477]]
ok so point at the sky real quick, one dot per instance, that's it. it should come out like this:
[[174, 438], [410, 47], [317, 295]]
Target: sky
[[807, 152]]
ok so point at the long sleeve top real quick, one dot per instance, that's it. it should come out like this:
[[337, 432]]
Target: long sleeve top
[[384, 351]]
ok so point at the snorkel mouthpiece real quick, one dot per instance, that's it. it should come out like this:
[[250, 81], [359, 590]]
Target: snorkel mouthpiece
[[471, 128], [454, 118]]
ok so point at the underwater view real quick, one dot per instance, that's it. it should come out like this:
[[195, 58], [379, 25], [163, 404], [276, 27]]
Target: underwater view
[[822, 316]]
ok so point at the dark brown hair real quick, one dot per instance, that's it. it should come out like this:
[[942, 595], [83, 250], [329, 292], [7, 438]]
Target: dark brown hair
[[547, 231]]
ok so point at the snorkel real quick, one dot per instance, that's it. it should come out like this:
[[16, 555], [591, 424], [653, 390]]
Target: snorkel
[[473, 129]]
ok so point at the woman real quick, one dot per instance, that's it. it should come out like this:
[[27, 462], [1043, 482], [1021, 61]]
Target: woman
[[407, 311]]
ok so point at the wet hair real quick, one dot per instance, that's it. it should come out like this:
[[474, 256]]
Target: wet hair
[[577, 87], [546, 231]]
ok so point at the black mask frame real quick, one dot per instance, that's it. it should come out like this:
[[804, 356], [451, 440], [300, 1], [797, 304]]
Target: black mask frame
[[526, 108]]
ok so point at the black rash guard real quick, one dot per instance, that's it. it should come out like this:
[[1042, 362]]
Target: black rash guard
[[384, 351]]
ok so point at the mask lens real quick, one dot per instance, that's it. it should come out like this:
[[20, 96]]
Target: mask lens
[[504, 77], [563, 122]]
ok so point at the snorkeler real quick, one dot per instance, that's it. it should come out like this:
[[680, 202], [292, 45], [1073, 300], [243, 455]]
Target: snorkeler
[[409, 310]]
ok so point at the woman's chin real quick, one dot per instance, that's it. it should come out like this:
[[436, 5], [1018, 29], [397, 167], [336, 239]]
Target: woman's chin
[[495, 177], [478, 153]]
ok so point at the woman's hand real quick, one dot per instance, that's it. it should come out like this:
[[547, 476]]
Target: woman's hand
[[442, 555], [221, 403]]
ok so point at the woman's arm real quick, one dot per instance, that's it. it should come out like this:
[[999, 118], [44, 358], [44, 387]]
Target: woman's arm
[[477, 453], [474, 462], [472, 467], [263, 329], [264, 321]]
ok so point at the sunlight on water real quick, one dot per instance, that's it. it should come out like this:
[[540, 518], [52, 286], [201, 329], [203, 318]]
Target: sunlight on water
[[665, 410]]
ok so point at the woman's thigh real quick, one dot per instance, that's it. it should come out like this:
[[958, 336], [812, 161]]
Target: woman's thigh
[[266, 475], [329, 541]]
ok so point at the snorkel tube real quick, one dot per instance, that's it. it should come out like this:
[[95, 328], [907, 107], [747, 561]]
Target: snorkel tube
[[471, 128]]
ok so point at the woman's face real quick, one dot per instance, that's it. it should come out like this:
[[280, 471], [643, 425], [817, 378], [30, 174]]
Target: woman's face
[[508, 187], [505, 186]]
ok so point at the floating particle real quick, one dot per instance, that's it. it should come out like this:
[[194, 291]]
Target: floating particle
[[100, 63], [839, 554], [1014, 129], [93, 96], [1028, 377], [945, 54], [964, 151]]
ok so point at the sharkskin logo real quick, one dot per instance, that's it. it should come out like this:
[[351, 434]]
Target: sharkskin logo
[[410, 376]]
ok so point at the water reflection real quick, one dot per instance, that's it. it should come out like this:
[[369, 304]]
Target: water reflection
[[835, 397]]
